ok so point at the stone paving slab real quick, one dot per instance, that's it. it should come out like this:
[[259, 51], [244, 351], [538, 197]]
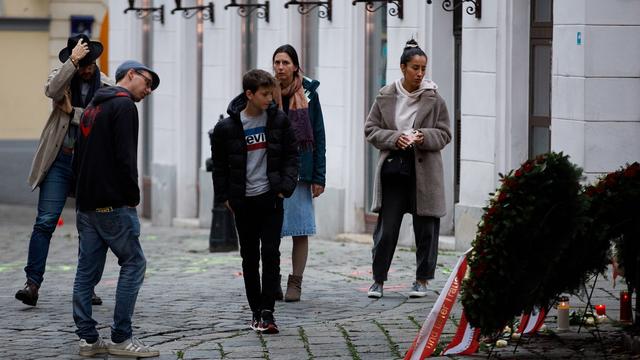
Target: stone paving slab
[[192, 304]]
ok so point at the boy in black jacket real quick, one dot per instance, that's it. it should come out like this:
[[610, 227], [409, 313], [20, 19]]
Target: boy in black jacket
[[105, 166], [255, 166]]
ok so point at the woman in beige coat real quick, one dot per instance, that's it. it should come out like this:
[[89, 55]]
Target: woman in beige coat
[[409, 124]]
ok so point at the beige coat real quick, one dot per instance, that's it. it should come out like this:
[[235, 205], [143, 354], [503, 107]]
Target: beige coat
[[57, 88], [432, 119]]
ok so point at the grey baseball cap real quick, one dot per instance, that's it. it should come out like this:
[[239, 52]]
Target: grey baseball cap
[[135, 65]]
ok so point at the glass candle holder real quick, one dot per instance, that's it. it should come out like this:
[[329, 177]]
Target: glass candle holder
[[625, 306], [601, 309], [563, 313]]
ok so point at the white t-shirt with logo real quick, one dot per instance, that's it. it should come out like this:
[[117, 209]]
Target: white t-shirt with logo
[[256, 139]]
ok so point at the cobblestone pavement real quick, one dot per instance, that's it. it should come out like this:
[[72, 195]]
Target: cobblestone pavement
[[192, 304]]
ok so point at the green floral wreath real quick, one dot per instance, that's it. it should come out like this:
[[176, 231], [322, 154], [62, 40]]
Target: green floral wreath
[[615, 212], [526, 233]]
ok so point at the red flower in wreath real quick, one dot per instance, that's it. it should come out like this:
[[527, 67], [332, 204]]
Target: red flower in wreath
[[528, 166], [632, 170], [492, 210]]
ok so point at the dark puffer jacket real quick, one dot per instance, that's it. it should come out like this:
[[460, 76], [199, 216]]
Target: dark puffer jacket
[[229, 153]]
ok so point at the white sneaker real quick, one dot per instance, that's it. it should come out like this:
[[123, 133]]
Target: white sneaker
[[375, 291], [418, 290], [132, 347], [98, 347]]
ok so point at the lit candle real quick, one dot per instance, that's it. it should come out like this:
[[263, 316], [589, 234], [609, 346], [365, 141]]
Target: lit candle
[[563, 313], [601, 309], [625, 306]]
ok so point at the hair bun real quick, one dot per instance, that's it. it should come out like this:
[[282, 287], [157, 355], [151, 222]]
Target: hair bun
[[411, 44]]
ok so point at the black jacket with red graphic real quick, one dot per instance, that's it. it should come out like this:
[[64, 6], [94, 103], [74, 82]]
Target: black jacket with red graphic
[[105, 158]]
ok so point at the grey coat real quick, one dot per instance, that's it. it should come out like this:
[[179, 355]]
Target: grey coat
[[57, 125], [432, 119]]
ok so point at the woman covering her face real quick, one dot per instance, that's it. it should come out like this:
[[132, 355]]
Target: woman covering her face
[[296, 95], [409, 124]]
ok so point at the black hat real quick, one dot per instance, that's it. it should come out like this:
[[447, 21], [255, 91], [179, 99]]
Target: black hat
[[95, 50]]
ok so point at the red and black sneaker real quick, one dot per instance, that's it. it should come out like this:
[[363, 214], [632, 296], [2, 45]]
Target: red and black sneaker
[[256, 322], [268, 324]]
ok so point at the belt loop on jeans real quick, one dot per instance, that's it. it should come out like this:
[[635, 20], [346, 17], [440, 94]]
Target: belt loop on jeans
[[107, 209]]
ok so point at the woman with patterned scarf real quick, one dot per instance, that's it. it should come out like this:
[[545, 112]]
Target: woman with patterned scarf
[[296, 95]]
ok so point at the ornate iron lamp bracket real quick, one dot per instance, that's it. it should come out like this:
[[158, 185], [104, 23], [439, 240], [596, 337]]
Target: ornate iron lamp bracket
[[394, 11], [144, 12], [245, 10], [190, 11], [304, 7], [474, 8]]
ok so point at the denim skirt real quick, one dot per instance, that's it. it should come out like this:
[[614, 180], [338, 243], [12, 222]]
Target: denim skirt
[[299, 217]]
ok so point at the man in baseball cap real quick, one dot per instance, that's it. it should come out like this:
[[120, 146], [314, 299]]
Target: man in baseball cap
[[105, 167], [132, 64]]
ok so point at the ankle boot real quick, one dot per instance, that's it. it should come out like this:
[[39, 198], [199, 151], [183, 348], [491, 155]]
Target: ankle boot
[[279, 295], [294, 288], [28, 295]]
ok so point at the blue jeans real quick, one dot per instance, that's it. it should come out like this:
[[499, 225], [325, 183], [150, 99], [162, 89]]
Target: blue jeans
[[53, 194], [117, 229]]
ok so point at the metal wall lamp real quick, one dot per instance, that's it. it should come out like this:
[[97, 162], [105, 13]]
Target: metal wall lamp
[[474, 8], [144, 12], [190, 11], [394, 11], [245, 10], [304, 7]]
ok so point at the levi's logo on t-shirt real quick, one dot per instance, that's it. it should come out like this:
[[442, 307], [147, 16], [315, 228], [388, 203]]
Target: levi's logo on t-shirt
[[255, 138]]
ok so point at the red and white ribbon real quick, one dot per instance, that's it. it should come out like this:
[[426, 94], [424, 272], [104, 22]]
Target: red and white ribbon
[[466, 341], [532, 322], [427, 339]]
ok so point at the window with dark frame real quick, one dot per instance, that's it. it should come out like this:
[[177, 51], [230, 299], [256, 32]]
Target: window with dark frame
[[540, 57], [375, 78]]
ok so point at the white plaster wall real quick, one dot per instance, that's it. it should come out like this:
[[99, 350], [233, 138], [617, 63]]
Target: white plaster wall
[[222, 81], [185, 114], [596, 84], [494, 105], [341, 76], [352, 23], [437, 28], [125, 42], [282, 28]]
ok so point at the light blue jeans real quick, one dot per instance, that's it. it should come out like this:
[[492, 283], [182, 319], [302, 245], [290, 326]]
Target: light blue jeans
[[118, 230]]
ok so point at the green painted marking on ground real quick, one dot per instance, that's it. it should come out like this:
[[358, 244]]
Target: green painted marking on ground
[[16, 265]]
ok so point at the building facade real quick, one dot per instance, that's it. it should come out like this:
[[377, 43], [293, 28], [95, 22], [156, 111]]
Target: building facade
[[519, 77], [32, 32]]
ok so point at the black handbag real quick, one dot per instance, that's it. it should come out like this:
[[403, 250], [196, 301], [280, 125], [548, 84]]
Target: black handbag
[[398, 163]]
